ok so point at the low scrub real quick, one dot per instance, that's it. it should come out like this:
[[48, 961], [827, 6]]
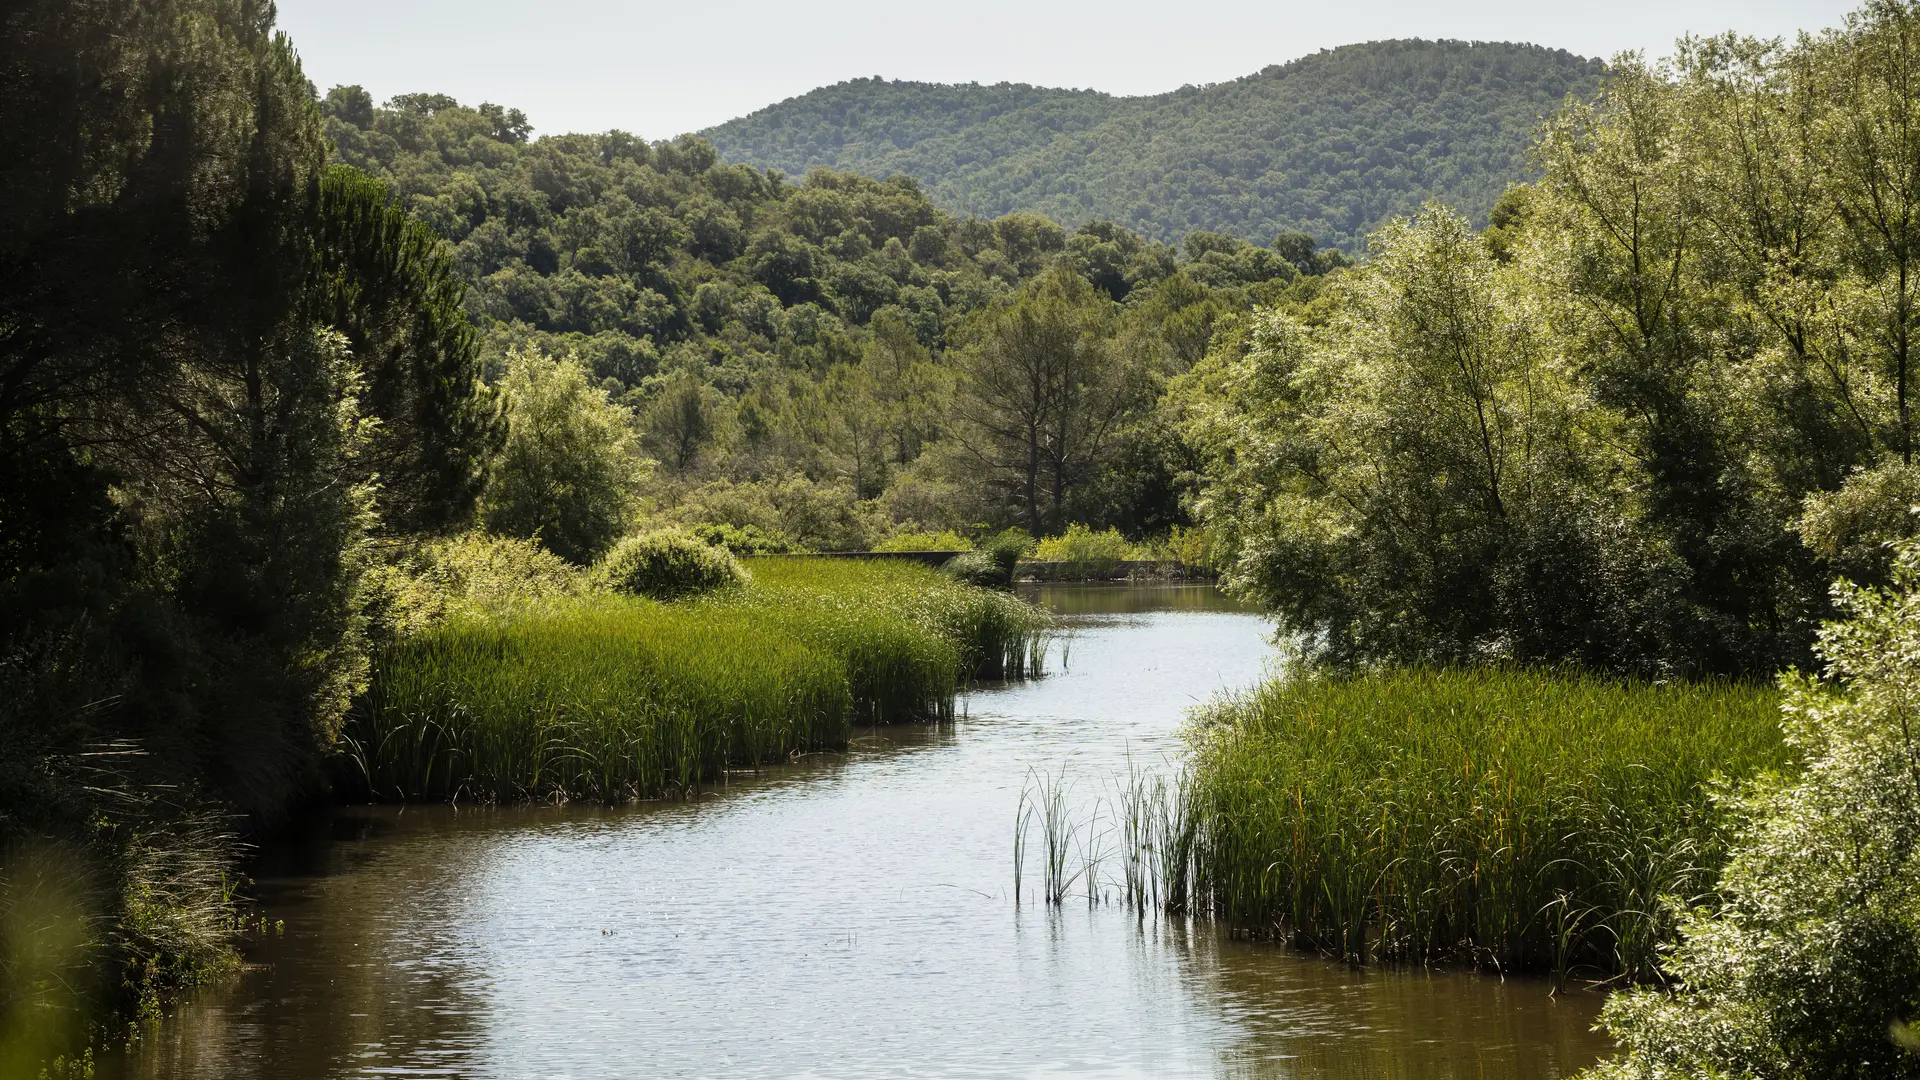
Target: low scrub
[[1810, 965], [1085, 553], [946, 540], [1510, 818], [668, 564], [611, 696], [993, 562]]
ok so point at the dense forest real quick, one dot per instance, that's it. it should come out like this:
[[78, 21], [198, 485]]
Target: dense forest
[[1332, 144], [806, 355]]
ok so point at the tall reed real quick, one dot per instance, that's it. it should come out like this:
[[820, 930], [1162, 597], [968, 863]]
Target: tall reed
[[997, 635], [1515, 819], [608, 696]]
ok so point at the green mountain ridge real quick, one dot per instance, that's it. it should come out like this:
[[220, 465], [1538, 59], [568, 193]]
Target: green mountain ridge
[[1332, 144]]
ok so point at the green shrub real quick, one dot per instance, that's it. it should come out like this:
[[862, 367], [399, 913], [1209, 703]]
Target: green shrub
[[470, 574], [747, 540], [668, 564], [1183, 547], [1514, 818], [570, 470], [991, 565], [1810, 964], [977, 568], [612, 697], [1008, 547], [946, 540], [1085, 553]]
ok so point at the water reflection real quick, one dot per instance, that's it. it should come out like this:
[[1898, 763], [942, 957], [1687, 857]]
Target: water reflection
[[846, 916]]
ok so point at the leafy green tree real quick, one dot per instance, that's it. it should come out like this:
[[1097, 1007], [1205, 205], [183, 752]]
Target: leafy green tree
[[1386, 479], [1043, 393], [1810, 965], [570, 469], [681, 422]]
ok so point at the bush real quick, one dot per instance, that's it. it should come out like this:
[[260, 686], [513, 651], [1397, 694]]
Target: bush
[[1085, 553], [570, 471], [978, 568], [946, 540], [991, 565], [1810, 965], [668, 564], [1512, 818], [1183, 547], [471, 574], [747, 540]]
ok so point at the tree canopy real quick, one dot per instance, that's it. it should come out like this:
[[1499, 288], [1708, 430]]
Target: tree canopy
[[1332, 145]]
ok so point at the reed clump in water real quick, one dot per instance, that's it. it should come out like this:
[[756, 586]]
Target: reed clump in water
[[996, 635], [1510, 818], [610, 697]]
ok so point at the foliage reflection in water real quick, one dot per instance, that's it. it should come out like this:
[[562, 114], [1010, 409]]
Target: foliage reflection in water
[[850, 915]]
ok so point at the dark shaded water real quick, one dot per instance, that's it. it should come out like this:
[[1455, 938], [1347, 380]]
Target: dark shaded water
[[847, 916]]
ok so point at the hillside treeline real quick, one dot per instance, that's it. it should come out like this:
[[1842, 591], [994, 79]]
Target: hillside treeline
[[1642, 423], [825, 359], [1334, 144]]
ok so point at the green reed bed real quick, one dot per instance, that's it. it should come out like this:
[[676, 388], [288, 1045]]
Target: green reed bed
[[995, 634], [1513, 819], [607, 696]]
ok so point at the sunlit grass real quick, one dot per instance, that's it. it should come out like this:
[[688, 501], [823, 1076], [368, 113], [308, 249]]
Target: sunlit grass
[[1513, 819], [618, 697]]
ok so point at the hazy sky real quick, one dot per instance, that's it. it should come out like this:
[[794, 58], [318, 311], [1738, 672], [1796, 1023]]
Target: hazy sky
[[660, 69]]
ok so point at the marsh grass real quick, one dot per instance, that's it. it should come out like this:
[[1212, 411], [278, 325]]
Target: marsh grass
[[1511, 819], [611, 697], [1139, 820], [996, 635]]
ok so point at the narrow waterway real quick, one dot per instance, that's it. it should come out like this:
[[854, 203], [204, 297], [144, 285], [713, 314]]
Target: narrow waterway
[[848, 916]]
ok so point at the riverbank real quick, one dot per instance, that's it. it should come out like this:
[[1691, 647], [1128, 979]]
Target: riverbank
[[507, 675], [1511, 819], [610, 697], [852, 911]]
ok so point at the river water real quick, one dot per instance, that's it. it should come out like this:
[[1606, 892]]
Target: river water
[[847, 916]]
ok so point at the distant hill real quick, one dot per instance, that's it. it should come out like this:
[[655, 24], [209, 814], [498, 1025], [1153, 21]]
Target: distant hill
[[1332, 144]]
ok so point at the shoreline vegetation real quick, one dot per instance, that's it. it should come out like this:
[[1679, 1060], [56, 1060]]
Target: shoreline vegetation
[[1517, 820], [591, 694]]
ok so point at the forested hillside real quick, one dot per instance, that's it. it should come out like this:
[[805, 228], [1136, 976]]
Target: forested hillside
[[1332, 144], [808, 356]]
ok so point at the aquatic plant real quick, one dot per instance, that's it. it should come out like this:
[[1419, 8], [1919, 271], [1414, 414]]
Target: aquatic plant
[[1510, 818], [998, 636], [609, 696]]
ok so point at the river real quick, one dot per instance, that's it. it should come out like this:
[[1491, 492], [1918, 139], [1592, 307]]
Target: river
[[846, 916]]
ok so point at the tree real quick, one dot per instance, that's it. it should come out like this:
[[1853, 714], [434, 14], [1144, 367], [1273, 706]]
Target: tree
[[569, 471], [1810, 965], [1387, 482], [680, 422], [1042, 394]]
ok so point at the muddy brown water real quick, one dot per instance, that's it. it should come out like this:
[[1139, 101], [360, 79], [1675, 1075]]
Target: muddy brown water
[[847, 916]]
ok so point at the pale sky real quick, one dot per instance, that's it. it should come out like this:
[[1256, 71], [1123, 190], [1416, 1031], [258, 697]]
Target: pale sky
[[661, 69]]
